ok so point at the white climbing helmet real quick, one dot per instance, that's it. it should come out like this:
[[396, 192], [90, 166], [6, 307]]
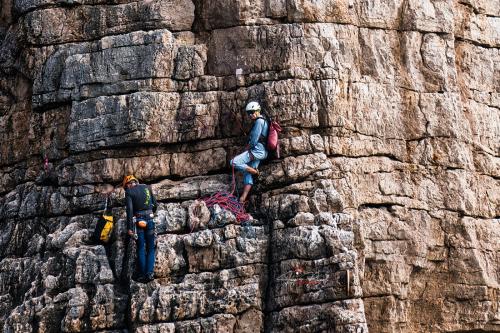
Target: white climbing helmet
[[252, 107]]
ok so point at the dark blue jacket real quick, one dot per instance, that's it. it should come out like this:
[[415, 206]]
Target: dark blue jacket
[[138, 198]]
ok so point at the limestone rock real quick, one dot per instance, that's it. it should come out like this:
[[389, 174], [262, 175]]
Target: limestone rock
[[381, 214], [55, 25]]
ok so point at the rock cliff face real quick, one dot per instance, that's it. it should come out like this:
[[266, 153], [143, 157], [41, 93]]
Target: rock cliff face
[[382, 213]]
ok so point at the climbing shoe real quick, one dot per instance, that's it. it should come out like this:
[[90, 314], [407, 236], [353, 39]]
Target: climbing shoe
[[150, 277]]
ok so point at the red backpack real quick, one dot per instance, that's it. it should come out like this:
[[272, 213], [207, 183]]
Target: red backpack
[[273, 143]]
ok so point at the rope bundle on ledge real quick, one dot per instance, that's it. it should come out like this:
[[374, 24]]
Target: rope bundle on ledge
[[229, 202]]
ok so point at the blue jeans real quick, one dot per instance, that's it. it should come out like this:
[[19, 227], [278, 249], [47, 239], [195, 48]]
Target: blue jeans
[[146, 247], [241, 162]]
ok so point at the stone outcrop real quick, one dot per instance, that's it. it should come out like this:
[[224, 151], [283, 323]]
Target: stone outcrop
[[381, 215]]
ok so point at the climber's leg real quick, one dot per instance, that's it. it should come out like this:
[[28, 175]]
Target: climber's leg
[[246, 190], [141, 253], [150, 249], [248, 179], [240, 161]]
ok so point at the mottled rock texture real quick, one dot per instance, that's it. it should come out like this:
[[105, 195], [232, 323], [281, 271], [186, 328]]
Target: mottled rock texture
[[383, 213]]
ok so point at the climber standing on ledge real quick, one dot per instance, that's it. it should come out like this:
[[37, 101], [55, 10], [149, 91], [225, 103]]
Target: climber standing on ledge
[[141, 206], [248, 161]]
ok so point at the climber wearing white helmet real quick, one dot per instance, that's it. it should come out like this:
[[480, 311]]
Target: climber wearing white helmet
[[248, 161]]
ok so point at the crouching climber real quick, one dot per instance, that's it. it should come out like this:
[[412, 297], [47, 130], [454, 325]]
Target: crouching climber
[[248, 161], [141, 206]]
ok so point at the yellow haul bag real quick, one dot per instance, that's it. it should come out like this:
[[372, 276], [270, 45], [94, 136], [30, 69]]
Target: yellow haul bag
[[103, 227], [107, 229]]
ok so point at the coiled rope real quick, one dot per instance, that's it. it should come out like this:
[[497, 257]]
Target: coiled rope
[[228, 201]]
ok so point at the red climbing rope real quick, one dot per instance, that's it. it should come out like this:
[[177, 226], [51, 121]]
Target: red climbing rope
[[229, 202], [233, 182]]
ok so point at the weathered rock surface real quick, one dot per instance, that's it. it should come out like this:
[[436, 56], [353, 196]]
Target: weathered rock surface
[[382, 214]]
